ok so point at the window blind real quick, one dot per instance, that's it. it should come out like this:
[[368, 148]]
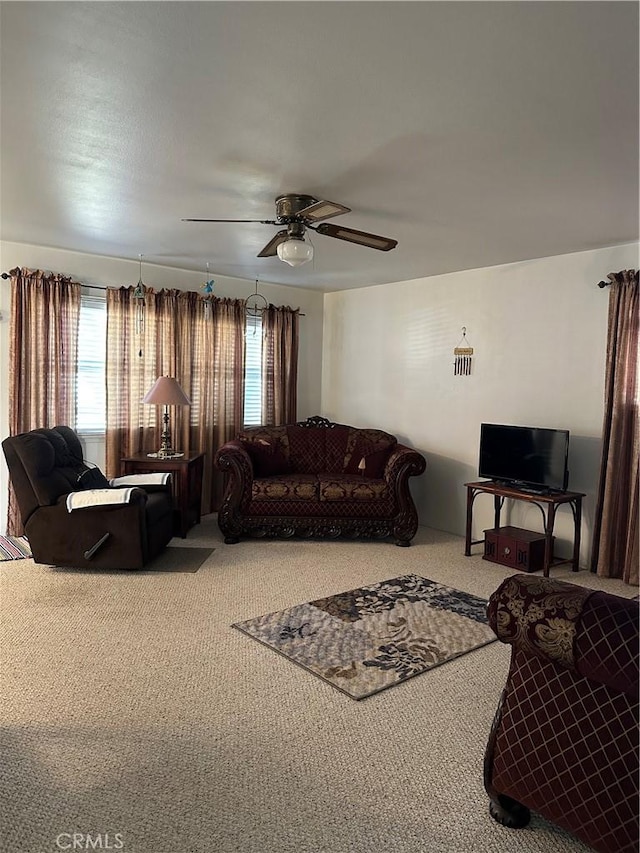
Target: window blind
[[91, 387], [91, 384], [253, 371]]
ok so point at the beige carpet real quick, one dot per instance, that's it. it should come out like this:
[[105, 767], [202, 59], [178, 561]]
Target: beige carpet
[[179, 560], [130, 705]]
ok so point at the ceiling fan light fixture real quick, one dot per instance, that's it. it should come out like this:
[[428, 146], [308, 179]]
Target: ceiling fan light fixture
[[295, 252]]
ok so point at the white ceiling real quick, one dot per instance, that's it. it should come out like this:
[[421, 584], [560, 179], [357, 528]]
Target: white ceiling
[[474, 133]]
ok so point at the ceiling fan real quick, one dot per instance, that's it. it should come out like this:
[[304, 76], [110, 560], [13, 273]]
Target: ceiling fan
[[302, 212]]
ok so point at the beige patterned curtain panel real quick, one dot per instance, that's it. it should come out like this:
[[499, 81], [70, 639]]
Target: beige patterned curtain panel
[[43, 357], [615, 540], [198, 341], [279, 365]]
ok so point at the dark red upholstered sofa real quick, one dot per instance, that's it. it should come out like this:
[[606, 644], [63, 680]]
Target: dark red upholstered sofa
[[318, 478], [564, 742]]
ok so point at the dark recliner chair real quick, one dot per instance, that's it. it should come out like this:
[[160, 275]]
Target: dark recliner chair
[[45, 465]]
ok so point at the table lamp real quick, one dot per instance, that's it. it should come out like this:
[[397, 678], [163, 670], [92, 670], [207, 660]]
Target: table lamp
[[166, 392]]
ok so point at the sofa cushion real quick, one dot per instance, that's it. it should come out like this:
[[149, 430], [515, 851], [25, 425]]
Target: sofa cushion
[[268, 457], [277, 434], [335, 448], [344, 487], [285, 487], [268, 449], [368, 463], [307, 448], [367, 452]]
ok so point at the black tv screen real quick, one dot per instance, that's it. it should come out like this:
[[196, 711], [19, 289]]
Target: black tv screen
[[525, 456]]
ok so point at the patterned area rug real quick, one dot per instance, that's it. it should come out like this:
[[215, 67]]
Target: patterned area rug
[[365, 640], [14, 548]]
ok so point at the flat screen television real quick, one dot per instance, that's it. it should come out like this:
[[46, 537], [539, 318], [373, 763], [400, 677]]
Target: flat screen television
[[525, 457]]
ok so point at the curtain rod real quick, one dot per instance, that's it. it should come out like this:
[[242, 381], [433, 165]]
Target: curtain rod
[[604, 283], [7, 275]]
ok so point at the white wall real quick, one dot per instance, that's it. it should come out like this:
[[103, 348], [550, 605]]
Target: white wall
[[538, 329], [115, 272]]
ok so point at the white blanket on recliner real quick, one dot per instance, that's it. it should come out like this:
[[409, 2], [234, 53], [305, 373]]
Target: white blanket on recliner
[[141, 480], [97, 497]]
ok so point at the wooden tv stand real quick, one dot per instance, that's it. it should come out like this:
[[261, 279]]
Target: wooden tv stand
[[547, 503]]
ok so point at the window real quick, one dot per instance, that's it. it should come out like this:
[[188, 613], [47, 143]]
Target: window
[[90, 391], [253, 371], [91, 394]]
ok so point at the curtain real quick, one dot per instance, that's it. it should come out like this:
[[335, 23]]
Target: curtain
[[279, 365], [615, 544], [43, 358], [200, 342]]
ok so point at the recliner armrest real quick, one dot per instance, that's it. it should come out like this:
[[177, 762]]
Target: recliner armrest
[[149, 482], [90, 500]]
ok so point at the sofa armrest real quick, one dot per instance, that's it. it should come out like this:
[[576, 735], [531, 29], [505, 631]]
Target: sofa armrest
[[403, 460], [234, 461], [595, 634]]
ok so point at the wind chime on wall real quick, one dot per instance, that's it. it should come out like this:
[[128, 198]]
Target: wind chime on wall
[[463, 356]]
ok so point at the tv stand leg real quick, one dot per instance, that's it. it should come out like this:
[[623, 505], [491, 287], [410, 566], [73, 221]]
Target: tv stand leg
[[548, 538], [576, 506], [471, 496], [497, 506]]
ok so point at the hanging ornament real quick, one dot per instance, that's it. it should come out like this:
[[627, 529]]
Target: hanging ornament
[[139, 305], [207, 287], [255, 305], [463, 356]]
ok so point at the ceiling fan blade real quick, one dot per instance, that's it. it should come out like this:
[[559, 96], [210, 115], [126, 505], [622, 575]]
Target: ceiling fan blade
[[271, 248], [323, 210], [261, 221], [373, 241]]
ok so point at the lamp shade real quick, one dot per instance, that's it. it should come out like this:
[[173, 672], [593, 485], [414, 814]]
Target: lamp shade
[[166, 392], [295, 252]]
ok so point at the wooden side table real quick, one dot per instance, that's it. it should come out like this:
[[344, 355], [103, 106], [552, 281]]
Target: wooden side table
[[546, 503], [186, 483]]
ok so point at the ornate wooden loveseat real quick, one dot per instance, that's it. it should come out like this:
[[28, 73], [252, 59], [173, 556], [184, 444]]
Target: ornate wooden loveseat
[[318, 478]]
